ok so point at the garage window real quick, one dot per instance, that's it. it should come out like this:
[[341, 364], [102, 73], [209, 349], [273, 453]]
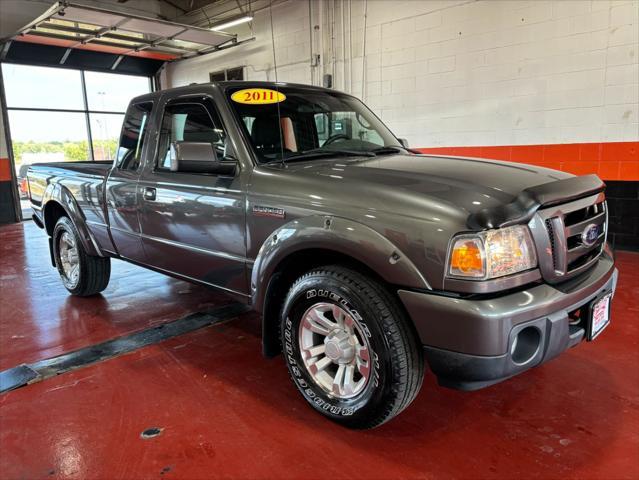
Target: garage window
[[61, 115], [228, 74]]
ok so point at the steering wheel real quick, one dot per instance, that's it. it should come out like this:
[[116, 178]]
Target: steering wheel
[[334, 138]]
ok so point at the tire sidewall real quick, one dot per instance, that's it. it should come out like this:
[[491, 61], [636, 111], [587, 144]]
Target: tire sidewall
[[324, 287], [64, 224]]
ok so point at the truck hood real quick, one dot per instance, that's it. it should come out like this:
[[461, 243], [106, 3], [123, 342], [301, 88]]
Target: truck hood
[[467, 183]]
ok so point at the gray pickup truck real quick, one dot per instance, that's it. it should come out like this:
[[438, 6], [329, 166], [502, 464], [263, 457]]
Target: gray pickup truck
[[365, 259]]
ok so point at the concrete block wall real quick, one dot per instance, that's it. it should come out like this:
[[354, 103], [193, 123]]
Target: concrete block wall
[[460, 73], [551, 83], [505, 73], [292, 38]]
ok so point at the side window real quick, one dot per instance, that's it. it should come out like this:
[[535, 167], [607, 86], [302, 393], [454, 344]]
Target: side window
[[189, 122], [133, 134]]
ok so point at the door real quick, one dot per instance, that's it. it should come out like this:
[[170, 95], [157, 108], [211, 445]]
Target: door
[[122, 189], [193, 224]]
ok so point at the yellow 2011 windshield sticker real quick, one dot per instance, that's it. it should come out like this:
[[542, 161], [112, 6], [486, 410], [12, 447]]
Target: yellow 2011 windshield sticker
[[258, 96]]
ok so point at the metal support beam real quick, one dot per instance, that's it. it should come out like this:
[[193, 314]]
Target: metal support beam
[[99, 33], [17, 210], [5, 51], [225, 46], [65, 56], [86, 115], [117, 62], [155, 43], [104, 39]]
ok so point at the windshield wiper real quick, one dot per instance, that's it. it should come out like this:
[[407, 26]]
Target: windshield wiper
[[313, 154]]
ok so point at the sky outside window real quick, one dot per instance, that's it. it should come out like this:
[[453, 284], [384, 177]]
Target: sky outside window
[[112, 92], [42, 87], [45, 131]]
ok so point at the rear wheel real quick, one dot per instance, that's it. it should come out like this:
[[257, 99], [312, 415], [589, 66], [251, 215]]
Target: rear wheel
[[82, 274], [349, 347]]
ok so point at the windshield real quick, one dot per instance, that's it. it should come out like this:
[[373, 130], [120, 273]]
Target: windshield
[[312, 123]]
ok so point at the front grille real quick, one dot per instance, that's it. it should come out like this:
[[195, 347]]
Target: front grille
[[582, 214], [570, 237]]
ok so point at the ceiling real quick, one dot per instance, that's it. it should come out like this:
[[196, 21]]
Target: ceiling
[[106, 32], [82, 27]]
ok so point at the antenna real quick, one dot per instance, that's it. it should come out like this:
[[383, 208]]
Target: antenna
[[279, 117], [364, 51]]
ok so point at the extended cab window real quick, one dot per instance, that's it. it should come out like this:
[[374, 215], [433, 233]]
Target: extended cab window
[[133, 134], [189, 122]]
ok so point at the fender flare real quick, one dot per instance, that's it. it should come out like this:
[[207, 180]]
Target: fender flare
[[326, 232], [63, 197]]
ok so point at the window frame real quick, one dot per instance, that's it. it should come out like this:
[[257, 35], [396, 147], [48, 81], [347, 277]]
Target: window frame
[[197, 99], [144, 131], [226, 74]]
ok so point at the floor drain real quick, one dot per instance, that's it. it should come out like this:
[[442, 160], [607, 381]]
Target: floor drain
[[151, 432]]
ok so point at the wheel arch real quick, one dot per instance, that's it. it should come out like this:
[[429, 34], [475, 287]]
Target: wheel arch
[[314, 241], [57, 202]]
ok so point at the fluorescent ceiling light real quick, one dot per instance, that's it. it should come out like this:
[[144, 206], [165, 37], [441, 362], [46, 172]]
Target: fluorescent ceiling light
[[231, 23]]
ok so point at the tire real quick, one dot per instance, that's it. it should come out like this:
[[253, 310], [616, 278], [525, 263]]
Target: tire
[[91, 274], [395, 368]]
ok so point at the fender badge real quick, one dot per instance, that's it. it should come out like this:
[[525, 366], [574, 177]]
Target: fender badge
[[262, 211]]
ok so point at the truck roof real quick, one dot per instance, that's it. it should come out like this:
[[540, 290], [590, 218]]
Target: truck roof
[[198, 87]]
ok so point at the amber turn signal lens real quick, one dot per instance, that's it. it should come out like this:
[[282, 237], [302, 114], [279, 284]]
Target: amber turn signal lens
[[467, 258], [492, 253]]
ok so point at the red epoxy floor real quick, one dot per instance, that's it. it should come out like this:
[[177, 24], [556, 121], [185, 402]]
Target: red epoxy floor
[[227, 412]]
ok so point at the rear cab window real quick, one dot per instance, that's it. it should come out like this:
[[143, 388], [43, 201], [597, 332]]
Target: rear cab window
[[134, 131]]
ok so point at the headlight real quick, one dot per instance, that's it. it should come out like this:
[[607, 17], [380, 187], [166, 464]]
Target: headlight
[[491, 254]]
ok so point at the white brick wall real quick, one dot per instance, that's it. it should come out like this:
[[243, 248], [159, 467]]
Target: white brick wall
[[457, 72], [292, 42]]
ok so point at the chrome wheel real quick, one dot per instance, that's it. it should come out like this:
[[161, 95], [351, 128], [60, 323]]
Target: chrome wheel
[[69, 259], [335, 351]]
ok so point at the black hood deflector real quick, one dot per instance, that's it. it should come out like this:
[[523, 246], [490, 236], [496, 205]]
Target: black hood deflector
[[524, 205]]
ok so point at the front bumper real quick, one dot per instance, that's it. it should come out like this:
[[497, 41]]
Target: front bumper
[[468, 343]]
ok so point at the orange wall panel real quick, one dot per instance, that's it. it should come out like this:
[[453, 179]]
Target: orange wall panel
[[5, 170], [611, 161]]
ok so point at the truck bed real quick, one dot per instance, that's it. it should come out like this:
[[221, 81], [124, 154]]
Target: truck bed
[[83, 180]]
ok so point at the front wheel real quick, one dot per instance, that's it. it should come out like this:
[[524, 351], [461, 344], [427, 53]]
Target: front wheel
[[82, 274], [349, 347]]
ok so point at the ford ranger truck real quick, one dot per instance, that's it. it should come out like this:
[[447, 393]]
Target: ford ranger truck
[[366, 260]]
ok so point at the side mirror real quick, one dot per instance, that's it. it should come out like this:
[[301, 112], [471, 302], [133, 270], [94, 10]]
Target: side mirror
[[199, 157], [404, 143]]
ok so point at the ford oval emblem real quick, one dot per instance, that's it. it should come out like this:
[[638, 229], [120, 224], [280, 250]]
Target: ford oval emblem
[[590, 234]]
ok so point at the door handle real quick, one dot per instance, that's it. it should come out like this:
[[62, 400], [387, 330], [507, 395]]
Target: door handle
[[149, 193]]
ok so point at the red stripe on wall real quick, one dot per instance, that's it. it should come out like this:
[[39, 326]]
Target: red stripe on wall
[[5, 170], [611, 161]]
